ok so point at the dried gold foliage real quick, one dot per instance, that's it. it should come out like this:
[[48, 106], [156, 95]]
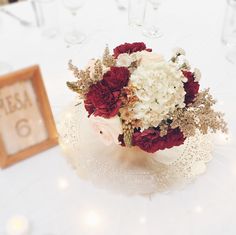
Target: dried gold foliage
[[128, 131], [84, 77], [73, 86], [108, 60], [199, 115], [128, 96], [98, 71], [127, 115], [128, 99], [163, 128]]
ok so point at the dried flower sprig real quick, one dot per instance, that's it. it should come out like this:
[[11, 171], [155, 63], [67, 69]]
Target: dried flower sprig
[[85, 78], [129, 123], [199, 115], [98, 71], [128, 96], [128, 131], [108, 60]]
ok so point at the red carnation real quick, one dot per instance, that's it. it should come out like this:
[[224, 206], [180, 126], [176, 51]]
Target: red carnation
[[101, 101], [191, 87], [130, 48], [116, 78], [150, 140]]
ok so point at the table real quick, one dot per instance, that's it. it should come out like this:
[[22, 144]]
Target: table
[[49, 193]]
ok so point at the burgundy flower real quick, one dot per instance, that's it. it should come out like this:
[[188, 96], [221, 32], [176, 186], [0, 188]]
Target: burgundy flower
[[121, 140], [130, 48], [116, 78], [150, 140], [101, 101], [191, 87]]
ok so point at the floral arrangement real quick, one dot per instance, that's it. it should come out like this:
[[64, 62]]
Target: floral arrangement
[[157, 101]]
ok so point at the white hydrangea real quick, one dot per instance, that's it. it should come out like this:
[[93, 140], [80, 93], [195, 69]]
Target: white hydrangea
[[160, 89]]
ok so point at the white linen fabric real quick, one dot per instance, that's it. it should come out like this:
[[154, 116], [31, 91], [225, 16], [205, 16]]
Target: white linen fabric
[[52, 196]]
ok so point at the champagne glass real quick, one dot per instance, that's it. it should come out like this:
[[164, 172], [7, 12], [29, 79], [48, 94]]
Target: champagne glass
[[46, 13], [155, 4], [122, 5], [136, 13], [4, 66], [229, 31], [153, 31], [74, 36]]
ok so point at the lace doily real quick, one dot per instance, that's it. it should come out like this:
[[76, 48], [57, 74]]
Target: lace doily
[[129, 170]]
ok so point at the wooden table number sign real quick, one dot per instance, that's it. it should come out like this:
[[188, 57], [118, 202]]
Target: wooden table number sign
[[26, 122]]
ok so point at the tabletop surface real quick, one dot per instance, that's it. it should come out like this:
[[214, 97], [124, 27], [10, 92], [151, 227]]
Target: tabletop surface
[[48, 192]]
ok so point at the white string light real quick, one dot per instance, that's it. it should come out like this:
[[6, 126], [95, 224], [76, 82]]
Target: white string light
[[142, 220], [17, 225], [62, 183], [198, 209], [68, 115], [92, 218]]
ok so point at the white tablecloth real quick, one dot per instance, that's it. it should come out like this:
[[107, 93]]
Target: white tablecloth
[[48, 192]]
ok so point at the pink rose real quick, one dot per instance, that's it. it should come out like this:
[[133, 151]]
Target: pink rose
[[108, 130]]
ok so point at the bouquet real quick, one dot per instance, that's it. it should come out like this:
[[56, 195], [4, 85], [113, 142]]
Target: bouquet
[[152, 103]]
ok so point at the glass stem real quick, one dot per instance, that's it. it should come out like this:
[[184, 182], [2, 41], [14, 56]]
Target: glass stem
[[74, 23], [155, 9]]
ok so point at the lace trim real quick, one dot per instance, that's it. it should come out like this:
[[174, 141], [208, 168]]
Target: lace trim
[[130, 171]]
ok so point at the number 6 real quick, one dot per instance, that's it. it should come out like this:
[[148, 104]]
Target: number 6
[[22, 128]]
